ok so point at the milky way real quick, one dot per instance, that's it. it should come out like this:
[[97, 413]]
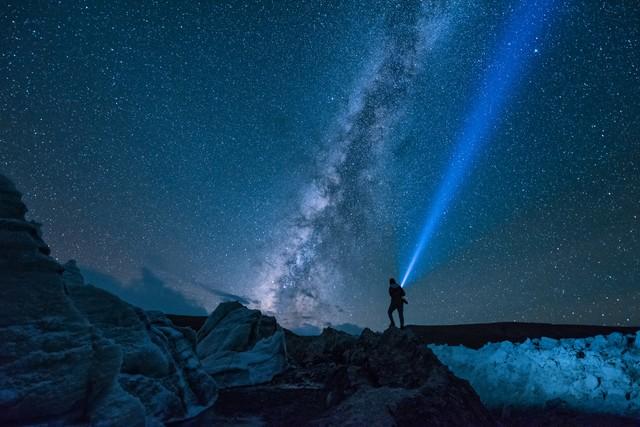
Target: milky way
[[306, 271], [285, 154]]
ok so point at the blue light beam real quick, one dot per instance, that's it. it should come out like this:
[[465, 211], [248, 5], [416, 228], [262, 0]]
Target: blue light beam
[[498, 83]]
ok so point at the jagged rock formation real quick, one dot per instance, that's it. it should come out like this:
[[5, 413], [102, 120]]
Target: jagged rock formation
[[390, 379], [81, 355], [54, 364], [159, 364], [239, 346], [75, 354], [337, 379]]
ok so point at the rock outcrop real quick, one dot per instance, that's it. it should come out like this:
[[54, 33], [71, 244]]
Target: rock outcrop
[[336, 379], [159, 365], [239, 346], [54, 365], [75, 354], [390, 379]]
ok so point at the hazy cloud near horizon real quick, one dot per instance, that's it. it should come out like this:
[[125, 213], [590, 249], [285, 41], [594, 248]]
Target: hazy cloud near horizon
[[151, 292]]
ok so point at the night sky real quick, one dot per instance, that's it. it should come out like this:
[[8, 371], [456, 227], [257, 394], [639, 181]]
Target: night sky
[[286, 154]]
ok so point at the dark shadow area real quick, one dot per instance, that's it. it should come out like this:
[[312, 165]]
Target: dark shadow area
[[307, 329], [560, 416]]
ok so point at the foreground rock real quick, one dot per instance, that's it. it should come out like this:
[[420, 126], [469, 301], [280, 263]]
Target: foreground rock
[[390, 379], [239, 346], [74, 354], [377, 379], [55, 365], [159, 365]]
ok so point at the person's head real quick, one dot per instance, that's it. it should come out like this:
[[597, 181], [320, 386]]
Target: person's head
[[392, 281]]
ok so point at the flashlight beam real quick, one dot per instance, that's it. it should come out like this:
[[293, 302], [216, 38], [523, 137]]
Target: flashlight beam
[[499, 80]]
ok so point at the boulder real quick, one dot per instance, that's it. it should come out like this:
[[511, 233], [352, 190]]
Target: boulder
[[329, 345], [390, 379], [11, 205], [239, 346]]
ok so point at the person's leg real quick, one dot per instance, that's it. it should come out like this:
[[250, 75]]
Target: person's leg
[[401, 315], [390, 313]]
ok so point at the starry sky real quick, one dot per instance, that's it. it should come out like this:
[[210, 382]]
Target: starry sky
[[285, 154]]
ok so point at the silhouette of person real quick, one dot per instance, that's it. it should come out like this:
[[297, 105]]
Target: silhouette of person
[[397, 302]]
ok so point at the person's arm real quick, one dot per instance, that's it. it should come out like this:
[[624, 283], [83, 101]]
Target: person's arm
[[402, 290]]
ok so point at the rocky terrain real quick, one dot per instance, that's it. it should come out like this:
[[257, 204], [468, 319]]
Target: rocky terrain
[[327, 383], [336, 379], [240, 347]]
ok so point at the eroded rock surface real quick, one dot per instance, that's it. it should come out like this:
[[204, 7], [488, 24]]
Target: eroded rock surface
[[159, 363], [54, 365], [336, 379], [389, 379], [75, 354], [239, 346]]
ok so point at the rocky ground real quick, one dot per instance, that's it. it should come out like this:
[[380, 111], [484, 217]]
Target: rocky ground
[[340, 380], [325, 385]]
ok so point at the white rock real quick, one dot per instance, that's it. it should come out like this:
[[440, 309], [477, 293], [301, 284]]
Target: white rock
[[547, 343], [258, 365], [159, 364], [239, 346]]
